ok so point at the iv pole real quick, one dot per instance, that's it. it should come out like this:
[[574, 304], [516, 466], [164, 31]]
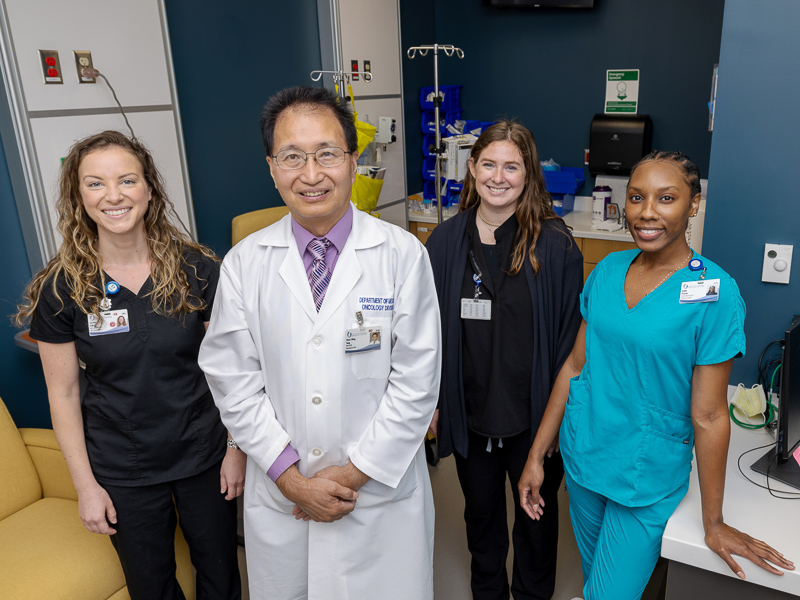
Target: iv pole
[[448, 50]]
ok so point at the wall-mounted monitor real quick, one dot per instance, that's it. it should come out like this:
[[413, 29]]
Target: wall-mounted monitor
[[540, 3], [778, 463]]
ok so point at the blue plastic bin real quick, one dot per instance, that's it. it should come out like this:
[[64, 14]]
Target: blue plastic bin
[[451, 97], [562, 186], [429, 169], [427, 142], [445, 118], [453, 192], [471, 126]]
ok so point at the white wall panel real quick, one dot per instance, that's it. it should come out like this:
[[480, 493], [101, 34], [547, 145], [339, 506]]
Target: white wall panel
[[129, 45], [125, 40], [55, 136], [370, 31]]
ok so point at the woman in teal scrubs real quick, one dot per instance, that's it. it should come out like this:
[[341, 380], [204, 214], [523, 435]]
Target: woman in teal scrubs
[[646, 380]]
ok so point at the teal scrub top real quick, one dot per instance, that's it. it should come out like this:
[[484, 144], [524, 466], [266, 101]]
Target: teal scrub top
[[627, 430]]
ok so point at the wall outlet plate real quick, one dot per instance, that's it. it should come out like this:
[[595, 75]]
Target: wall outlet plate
[[51, 66], [777, 263], [83, 60]]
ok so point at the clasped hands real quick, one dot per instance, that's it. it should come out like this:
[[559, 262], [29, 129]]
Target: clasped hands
[[327, 496]]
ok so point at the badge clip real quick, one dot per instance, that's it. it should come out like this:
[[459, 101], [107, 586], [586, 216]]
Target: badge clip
[[112, 287]]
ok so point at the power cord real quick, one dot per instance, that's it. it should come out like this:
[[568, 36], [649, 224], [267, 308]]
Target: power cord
[[95, 73], [789, 496]]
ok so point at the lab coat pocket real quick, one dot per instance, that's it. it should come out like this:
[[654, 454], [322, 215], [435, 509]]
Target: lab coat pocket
[[111, 446], [269, 495], [374, 364]]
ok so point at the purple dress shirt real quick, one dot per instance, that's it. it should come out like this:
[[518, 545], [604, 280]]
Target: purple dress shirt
[[338, 237]]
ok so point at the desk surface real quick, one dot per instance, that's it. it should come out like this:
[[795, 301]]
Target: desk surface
[[580, 220], [748, 508]]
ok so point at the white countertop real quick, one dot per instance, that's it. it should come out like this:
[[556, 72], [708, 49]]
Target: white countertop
[[580, 220], [748, 508]]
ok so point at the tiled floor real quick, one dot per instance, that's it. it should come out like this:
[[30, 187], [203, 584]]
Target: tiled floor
[[451, 557]]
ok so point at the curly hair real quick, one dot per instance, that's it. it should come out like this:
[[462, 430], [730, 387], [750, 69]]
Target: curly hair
[[534, 204], [77, 259]]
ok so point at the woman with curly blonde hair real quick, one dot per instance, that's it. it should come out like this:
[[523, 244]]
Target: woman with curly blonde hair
[[130, 295]]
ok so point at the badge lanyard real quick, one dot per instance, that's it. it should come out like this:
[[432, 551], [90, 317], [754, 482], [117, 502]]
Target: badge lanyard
[[475, 308], [477, 276]]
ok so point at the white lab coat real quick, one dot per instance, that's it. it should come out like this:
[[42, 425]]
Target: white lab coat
[[279, 375]]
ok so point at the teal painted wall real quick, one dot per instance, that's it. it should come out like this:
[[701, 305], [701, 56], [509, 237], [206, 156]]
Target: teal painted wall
[[751, 195], [547, 68], [229, 58], [22, 385]]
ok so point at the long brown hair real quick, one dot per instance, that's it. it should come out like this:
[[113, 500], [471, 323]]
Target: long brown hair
[[534, 204], [77, 260]]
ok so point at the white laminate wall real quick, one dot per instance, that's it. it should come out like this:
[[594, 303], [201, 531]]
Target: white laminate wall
[[370, 30], [129, 44]]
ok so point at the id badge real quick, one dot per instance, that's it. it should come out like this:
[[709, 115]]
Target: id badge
[[704, 290], [362, 339], [476, 309], [113, 321]]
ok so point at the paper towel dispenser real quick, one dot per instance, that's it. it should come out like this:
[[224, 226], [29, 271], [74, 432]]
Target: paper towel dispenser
[[617, 142]]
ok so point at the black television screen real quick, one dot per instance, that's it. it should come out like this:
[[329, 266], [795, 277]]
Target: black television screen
[[540, 3]]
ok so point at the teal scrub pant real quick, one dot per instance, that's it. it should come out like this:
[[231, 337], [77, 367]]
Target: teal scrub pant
[[619, 545]]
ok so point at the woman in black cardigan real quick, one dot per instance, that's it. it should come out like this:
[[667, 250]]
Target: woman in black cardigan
[[508, 276]]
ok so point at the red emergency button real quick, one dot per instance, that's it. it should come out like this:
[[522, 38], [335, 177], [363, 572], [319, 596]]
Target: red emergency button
[[51, 62]]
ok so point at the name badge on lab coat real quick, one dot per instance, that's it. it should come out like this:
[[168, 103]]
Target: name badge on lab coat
[[476, 309], [362, 339], [113, 321], [704, 290]]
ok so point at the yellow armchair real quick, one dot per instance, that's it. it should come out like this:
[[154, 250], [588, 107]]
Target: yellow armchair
[[45, 551], [247, 223]]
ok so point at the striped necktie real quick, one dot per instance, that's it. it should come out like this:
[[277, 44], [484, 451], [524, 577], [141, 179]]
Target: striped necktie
[[320, 274]]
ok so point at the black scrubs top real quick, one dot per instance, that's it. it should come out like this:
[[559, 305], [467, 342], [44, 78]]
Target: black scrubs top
[[497, 355], [148, 414]]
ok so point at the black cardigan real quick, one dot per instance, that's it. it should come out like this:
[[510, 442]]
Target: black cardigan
[[555, 292]]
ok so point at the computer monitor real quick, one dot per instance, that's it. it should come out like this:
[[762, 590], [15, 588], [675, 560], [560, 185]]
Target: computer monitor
[[779, 463]]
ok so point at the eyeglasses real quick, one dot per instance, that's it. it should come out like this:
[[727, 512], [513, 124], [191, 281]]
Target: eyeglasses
[[291, 160]]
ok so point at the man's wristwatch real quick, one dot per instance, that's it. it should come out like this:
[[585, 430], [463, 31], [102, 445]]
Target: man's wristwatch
[[232, 444]]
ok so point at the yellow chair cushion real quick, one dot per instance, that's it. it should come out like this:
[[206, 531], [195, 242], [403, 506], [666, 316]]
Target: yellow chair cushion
[[47, 554], [20, 481], [50, 464], [244, 225]]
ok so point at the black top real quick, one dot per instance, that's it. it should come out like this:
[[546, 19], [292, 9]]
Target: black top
[[148, 414], [497, 354], [555, 313]]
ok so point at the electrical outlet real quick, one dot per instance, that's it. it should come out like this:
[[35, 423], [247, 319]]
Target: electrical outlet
[[51, 66], [777, 263], [367, 69], [354, 69], [83, 60]]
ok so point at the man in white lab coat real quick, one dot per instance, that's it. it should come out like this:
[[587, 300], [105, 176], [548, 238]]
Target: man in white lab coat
[[337, 500]]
